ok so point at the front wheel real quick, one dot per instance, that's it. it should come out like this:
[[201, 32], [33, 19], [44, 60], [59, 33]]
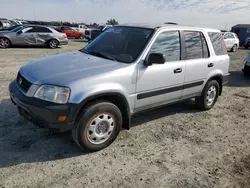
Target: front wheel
[[209, 96], [234, 48], [4, 43], [98, 126]]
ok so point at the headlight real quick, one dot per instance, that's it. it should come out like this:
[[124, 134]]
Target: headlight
[[53, 94]]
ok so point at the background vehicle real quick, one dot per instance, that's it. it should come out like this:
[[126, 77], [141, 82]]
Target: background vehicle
[[242, 31], [32, 36], [91, 34], [247, 43], [231, 40], [246, 66], [71, 32], [95, 91]]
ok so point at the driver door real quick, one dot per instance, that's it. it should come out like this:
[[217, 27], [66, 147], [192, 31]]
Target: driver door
[[161, 83], [26, 36]]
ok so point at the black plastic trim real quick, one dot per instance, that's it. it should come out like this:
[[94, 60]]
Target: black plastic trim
[[168, 90]]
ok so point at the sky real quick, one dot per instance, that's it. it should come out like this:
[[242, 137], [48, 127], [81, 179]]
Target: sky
[[219, 14]]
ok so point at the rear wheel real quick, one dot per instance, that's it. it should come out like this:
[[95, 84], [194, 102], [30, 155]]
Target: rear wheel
[[53, 43], [4, 43], [234, 48], [98, 126], [209, 97]]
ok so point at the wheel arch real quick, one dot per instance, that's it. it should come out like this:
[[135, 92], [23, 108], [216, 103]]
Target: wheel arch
[[114, 97], [6, 37], [219, 79]]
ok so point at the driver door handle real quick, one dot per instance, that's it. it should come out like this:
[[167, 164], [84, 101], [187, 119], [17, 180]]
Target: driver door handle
[[178, 70], [210, 65]]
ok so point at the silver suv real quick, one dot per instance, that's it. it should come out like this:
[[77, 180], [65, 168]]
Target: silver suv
[[127, 69]]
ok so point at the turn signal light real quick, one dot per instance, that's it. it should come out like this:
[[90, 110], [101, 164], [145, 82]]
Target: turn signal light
[[62, 118]]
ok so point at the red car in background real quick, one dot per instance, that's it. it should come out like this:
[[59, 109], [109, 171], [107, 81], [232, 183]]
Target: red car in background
[[71, 32]]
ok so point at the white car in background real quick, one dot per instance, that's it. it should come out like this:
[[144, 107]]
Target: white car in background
[[231, 41]]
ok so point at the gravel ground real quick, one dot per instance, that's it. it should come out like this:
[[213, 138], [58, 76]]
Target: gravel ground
[[174, 146]]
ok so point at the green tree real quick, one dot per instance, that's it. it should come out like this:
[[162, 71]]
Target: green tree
[[112, 22]]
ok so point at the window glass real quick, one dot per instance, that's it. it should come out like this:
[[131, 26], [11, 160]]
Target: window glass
[[168, 43], [218, 43], [124, 44], [29, 30], [193, 45], [42, 30], [230, 35]]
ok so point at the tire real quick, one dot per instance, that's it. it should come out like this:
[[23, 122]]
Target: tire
[[4, 42], [246, 46], [246, 73], [98, 126], [206, 102], [234, 48], [53, 44]]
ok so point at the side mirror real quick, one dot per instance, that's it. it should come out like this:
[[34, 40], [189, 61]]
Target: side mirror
[[155, 58]]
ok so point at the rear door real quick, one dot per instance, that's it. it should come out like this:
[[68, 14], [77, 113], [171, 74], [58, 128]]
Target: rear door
[[43, 34], [198, 63]]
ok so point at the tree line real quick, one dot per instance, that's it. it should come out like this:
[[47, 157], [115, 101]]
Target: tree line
[[71, 24]]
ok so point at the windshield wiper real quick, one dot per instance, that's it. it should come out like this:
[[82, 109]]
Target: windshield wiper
[[101, 54]]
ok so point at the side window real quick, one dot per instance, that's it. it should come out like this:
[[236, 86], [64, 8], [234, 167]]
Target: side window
[[218, 43], [168, 43], [193, 45], [226, 36], [29, 30], [230, 35], [42, 30]]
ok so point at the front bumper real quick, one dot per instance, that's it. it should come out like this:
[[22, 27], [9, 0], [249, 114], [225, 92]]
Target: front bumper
[[42, 113]]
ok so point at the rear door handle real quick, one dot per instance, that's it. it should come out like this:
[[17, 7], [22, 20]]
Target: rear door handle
[[178, 70], [210, 65]]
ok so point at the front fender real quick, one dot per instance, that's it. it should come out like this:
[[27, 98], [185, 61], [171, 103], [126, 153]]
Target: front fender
[[79, 94]]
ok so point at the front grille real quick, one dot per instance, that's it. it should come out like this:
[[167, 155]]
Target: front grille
[[23, 83]]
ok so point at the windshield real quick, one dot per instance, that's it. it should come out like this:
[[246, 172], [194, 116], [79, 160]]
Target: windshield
[[123, 44], [100, 27]]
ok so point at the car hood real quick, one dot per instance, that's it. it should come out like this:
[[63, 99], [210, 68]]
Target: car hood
[[68, 67]]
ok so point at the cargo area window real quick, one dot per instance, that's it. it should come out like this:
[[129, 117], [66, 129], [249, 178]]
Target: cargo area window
[[218, 43]]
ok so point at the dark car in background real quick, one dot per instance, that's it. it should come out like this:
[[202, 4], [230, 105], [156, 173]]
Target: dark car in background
[[91, 34]]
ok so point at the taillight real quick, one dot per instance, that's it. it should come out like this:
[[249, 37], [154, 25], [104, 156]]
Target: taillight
[[65, 36]]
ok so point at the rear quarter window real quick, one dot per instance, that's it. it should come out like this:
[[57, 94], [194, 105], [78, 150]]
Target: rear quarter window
[[218, 43]]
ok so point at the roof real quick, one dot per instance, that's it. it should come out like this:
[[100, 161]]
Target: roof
[[158, 26], [242, 25]]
